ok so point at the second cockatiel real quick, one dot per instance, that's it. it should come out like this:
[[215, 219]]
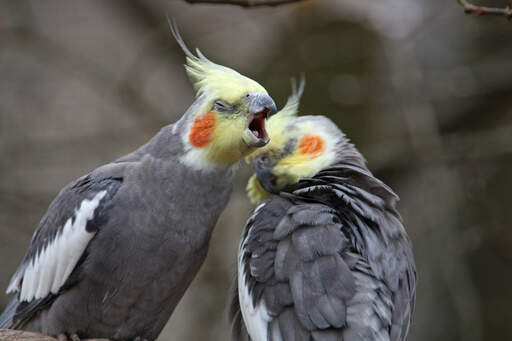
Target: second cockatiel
[[118, 247], [325, 257]]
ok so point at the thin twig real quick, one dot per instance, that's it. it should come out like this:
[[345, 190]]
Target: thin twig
[[482, 10], [245, 3]]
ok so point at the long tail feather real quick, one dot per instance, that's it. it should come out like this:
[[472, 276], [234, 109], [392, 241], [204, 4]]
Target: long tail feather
[[7, 316]]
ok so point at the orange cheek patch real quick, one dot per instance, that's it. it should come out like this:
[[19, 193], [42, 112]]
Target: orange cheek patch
[[202, 129], [311, 145]]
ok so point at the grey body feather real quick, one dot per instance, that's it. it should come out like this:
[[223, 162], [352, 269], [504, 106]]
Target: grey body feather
[[330, 260], [152, 233]]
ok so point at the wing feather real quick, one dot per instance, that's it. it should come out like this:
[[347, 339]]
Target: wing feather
[[58, 244], [287, 259], [49, 269], [342, 271]]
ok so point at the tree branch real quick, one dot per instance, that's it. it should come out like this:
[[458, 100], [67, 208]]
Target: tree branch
[[22, 335], [481, 10], [244, 3]]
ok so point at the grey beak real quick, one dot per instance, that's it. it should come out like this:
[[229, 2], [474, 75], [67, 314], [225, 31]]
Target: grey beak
[[263, 168], [260, 106], [261, 103]]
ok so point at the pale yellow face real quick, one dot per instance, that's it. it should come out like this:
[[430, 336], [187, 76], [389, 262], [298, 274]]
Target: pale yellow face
[[226, 127], [225, 132], [299, 149], [219, 138], [314, 151]]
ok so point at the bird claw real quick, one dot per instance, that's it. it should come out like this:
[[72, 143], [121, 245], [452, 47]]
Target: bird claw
[[138, 338]]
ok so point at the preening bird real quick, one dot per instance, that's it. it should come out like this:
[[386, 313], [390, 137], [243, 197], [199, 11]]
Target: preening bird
[[118, 247], [325, 257]]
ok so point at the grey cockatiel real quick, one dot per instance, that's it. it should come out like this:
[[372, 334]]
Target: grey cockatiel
[[327, 257], [119, 246]]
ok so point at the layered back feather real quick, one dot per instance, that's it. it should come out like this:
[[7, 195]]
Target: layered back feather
[[328, 259]]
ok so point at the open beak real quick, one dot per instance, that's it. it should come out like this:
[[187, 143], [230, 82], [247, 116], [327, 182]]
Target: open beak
[[260, 107]]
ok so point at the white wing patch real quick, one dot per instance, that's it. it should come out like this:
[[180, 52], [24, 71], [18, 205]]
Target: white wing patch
[[51, 267], [256, 319]]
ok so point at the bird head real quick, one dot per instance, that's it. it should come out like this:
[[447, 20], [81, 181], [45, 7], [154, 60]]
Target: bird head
[[300, 147], [227, 120]]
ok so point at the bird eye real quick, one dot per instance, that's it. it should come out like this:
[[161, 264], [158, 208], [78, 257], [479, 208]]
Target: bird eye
[[221, 106]]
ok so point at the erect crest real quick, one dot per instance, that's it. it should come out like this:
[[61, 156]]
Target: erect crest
[[213, 79], [278, 122]]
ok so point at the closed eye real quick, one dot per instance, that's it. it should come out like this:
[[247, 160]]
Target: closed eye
[[222, 106]]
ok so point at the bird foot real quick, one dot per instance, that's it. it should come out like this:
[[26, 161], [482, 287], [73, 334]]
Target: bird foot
[[138, 338]]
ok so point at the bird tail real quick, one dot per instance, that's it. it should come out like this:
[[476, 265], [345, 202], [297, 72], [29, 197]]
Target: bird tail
[[7, 317]]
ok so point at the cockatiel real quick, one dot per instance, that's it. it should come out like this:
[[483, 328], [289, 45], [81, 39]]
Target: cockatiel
[[118, 247], [326, 257]]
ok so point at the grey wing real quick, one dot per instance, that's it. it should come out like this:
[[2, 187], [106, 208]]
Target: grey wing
[[385, 276], [384, 261], [301, 278], [294, 283], [404, 295], [309, 260], [58, 245], [389, 299], [257, 239]]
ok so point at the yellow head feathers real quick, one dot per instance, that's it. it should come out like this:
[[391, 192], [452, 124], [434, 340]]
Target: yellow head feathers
[[227, 120], [214, 80], [315, 149], [299, 148]]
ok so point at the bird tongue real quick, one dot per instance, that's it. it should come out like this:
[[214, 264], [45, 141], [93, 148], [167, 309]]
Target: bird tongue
[[257, 125]]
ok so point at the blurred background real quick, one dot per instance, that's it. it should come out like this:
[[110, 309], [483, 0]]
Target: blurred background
[[421, 89]]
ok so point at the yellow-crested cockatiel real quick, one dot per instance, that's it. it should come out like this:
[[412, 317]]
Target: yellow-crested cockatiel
[[118, 247], [325, 256]]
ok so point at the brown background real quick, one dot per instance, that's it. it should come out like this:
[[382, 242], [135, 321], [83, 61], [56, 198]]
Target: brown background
[[423, 90]]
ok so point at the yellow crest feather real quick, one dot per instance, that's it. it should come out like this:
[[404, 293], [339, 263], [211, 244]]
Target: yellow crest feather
[[215, 80]]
